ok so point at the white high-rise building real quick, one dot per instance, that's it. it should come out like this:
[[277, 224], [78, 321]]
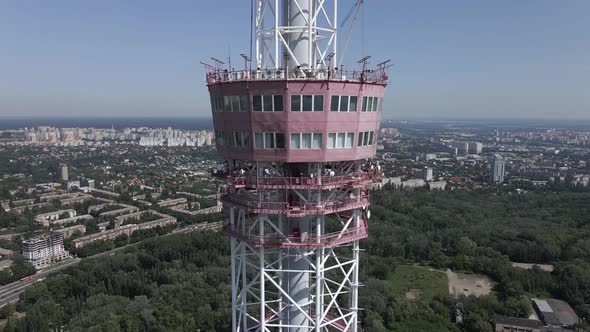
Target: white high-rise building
[[64, 172], [498, 170]]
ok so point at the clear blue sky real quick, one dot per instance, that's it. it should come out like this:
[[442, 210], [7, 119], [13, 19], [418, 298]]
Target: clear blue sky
[[453, 58]]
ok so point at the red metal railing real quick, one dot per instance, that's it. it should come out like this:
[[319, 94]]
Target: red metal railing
[[377, 76], [302, 241], [295, 209], [278, 182]]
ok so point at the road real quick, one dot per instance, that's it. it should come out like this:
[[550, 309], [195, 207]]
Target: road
[[10, 292]]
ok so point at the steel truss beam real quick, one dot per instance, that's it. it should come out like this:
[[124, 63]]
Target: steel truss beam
[[260, 298], [272, 35], [297, 285]]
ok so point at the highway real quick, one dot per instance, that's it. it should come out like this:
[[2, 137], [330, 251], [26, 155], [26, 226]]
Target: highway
[[10, 292]]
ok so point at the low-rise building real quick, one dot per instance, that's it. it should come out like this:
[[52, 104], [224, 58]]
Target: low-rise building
[[46, 218], [72, 184], [437, 185], [125, 229], [69, 231], [396, 182], [31, 207], [413, 183], [106, 193], [5, 253], [118, 209], [555, 313], [172, 202], [183, 208], [513, 324]]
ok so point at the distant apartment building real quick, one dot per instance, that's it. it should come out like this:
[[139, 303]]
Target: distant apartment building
[[66, 199], [44, 250], [498, 168], [196, 210], [70, 231], [71, 185], [86, 182], [462, 147], [106, 193], [21, 209], [112, 209], [425, 173], [46, 218], [437, 185], [395, 182], [125, 229], [172, 202], [413, 183], [389, 132], [64, 173], [475, 147], [430, 156], [581, 180]]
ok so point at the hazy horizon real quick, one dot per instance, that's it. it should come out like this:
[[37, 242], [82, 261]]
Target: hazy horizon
[[473, 60]]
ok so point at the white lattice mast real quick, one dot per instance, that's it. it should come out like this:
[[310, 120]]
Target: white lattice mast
[[298, 135], [289, 273], [302, 31]]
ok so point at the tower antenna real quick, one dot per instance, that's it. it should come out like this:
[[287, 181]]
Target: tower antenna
[[297, 182]]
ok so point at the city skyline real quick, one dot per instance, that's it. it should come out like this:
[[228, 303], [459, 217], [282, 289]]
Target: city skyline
[[488, 60]]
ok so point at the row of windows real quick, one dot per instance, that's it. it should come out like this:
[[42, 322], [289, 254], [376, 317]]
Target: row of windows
[[340, 140], [306, 141], [298, 140], [229, 103], [343, 104], [370, 104], [366, 138], [233, 139], [299, 103], [307, 103], [269, 140], [267, 103]]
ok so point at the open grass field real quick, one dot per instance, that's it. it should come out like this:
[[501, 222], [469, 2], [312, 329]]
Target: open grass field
[[468, 284], [418, 282]]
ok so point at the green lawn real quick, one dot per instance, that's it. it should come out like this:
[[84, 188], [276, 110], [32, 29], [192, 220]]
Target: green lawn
[[418, 282]]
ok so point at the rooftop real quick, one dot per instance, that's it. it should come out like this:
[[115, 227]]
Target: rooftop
[[555, 312], [521, 322], [375, 76]]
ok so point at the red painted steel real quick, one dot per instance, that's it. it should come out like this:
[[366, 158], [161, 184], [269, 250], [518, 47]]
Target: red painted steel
[[302, 241], [355, 180], [367, 76], [296, 209]]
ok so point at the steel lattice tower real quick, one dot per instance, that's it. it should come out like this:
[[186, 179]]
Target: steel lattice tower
[[298, 135]]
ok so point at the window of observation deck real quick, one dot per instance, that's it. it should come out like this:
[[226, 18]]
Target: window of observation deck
[[370, 104], [366, 138], [306, 141], [267, 103], [340, 140], [217, 103], [343, 103], [269, 140], [307, 103], [233, 104]]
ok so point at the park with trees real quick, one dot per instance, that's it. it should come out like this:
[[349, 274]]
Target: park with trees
[[181, 282]]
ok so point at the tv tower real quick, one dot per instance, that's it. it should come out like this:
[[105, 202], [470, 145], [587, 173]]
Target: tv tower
[[298, 133]]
